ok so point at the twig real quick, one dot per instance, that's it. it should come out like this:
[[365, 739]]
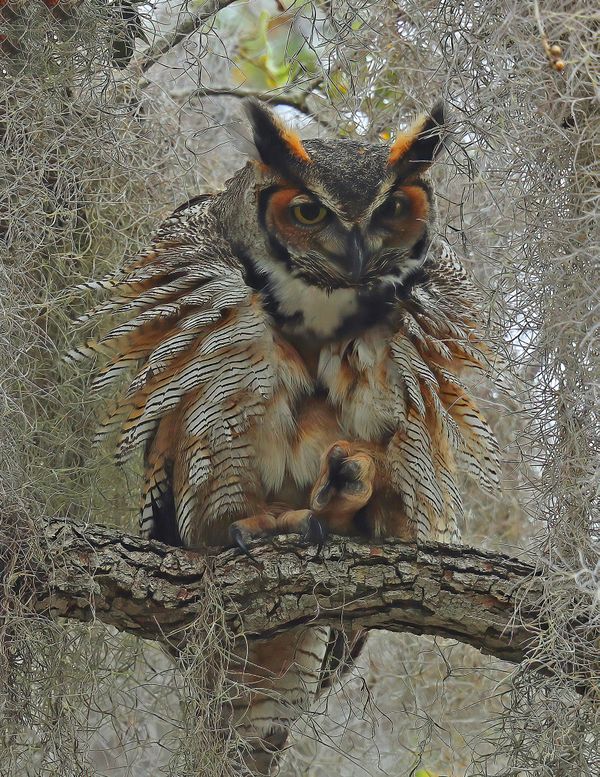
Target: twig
[[185, 28], [297, 100]]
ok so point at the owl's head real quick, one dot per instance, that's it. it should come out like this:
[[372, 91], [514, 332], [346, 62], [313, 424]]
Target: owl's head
[[338, 222], [342, 213]]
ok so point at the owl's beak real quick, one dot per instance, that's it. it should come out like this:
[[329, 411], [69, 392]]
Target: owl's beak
[[356, 253]]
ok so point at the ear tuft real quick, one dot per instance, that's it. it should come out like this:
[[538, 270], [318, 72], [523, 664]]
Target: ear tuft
[[414, 151], [438, 113], [277, 145]]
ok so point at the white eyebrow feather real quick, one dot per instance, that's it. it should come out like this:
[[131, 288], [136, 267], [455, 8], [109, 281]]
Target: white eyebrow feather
[[337, 206]]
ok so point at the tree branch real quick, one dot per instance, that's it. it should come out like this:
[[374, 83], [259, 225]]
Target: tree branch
[[295, 99], [152, 590], [188, 25]]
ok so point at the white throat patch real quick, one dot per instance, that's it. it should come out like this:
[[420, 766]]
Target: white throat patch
[[323, 312]]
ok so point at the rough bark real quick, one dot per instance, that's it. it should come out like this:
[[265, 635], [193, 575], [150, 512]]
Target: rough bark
[[153, 590]]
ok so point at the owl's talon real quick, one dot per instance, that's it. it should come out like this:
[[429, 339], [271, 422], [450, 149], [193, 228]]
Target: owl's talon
[[236, 535], [344, 486], [321, 497], [315, 533], [335, 458], [349, 475]]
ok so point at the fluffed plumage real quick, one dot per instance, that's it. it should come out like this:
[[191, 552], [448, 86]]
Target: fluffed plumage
[[308, 303]]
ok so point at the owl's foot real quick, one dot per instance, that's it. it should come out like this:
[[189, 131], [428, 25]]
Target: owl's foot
[[247, 529], [344, 485], [302, 522]]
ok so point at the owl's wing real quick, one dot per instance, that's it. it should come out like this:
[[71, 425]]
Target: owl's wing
[[442, 431], [202, 367], [198, 345]]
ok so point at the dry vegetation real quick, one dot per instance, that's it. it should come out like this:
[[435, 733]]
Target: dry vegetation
[[94, 155]]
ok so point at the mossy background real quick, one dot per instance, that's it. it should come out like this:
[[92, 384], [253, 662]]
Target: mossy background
[[95, 153]]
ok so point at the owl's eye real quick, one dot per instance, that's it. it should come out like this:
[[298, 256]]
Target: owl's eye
[[395, 207], [309, 213]]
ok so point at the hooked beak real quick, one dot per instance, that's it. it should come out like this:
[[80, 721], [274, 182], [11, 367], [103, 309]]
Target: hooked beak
[[356, 254]]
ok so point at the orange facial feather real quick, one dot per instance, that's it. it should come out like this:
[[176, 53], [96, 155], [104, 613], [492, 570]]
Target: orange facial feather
[[294, 144], [410, 227], [278, 214], [401, 146], [281, 199], [419, 202]]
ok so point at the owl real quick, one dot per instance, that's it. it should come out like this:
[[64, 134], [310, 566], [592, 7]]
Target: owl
[[296, 347]]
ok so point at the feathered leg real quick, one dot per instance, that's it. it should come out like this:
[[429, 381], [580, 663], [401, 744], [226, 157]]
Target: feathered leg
[[279, 680], [345, 485]]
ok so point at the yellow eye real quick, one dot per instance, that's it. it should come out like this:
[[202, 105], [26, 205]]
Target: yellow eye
[[309, 213]]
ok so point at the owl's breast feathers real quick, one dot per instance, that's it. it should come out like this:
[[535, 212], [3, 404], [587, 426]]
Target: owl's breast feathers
[[231, 414]]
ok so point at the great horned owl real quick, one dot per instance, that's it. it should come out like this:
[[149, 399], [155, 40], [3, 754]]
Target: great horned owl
[[298, 341]]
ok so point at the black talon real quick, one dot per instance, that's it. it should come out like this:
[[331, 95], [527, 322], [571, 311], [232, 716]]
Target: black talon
[[316, 533], [349, 471], [336, 458], [237, 538], [350, 477], [323, 495]]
